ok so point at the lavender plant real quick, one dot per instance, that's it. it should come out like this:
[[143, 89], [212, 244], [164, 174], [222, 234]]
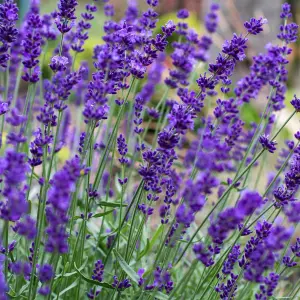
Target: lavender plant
[[124, 179]]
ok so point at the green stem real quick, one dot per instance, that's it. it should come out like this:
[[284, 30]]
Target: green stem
[[5, 229]]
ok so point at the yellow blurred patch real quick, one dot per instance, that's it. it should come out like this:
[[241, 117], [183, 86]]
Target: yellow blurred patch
[[63, 154]]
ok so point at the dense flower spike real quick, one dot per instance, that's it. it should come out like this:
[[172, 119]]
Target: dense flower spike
[[32, 47], [211, 19], [98, 271], [66, 14], [267, 144], [255, 26], [8, 30], [58, 203], [13, 168]]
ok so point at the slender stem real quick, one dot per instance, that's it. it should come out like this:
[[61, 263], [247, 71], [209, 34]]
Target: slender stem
[[54, 144], [5, 229]]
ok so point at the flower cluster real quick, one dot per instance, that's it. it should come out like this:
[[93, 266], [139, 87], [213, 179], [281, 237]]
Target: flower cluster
[[139, 167]]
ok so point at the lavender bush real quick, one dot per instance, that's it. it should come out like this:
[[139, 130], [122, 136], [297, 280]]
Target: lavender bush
[[107, 193]]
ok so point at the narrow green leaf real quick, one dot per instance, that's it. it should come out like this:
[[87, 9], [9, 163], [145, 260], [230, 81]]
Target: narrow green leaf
[[156, 236], [104, 236], [74, 284], [144, 251], [23, 288], [70, 273], [152, 242], [160, 296], [95, 282], [126, 268], [96, 215], [111, 204], [102, 214]]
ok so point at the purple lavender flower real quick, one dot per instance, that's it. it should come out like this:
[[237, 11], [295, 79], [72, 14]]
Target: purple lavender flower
[[124, 284], [268, 287], [3, 108], [80, 35], [162, 279], [13, 167], [211, 19], [59, 63], [293, 212], [254, 26], [286, 11], [66, 13], [249, 202], [267, 144], [109, 10], [146, 210], [183, 14], [122, 149], [8, 32], [228, 288], [26, 227], [3, 285], [289, 33], [296, 248], [44, 290], [184, 215], [32, 47], [231, 260], [45, 273], [236, 47], [169, 28], [203, 254], [181, 118], [59, 194], [193, 197], [296, 103], [98, 271], [288, 262]]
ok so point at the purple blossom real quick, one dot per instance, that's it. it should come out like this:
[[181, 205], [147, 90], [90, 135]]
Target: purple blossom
[[59, 63], [235, 48], [169, 28], [181, 118], [254, 26], [13, 167], [26, 227], [8, 32], [66, 14], [296, 248], [203, 254], [44, 290], [268, 287], [45, 273], [32, 47], [288, 262], [62, 184], [98, 271], [183, 14], [3, 108], [286, 11], [289, 33], [267, 143], [124, 284], [211, 19], [296, 103], [231, 260], [109, 10]]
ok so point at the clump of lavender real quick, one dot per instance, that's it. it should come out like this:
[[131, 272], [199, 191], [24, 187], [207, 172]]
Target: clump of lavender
[[130, 171]]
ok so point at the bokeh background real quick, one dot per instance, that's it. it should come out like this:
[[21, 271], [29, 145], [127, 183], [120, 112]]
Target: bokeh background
[[232, 15]]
